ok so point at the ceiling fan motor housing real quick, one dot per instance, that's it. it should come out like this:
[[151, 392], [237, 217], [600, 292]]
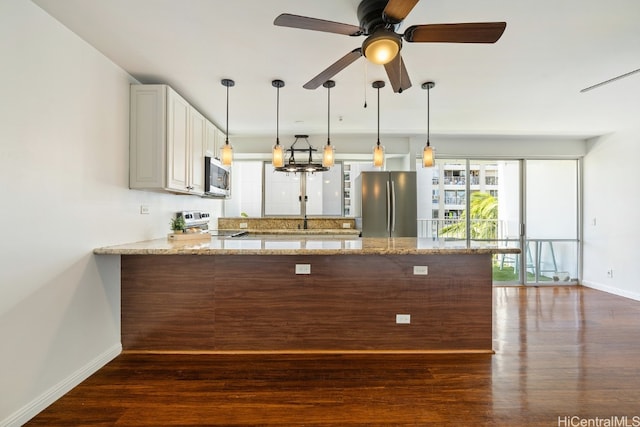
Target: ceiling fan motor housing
[[370, 16]]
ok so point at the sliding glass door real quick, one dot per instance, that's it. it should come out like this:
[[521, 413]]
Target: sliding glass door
[[552, 226], [482, 202]]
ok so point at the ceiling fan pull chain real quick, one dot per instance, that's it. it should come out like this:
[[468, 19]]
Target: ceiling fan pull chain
[[365, 84]]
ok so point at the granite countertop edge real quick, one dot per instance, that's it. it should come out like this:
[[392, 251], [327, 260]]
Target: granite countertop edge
[[348, 246]]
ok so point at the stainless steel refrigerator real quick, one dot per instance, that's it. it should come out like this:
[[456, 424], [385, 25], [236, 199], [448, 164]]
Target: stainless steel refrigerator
[[389, 206]]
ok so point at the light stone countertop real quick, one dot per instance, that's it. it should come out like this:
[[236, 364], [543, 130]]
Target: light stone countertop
[[300, 233], [295, 244]]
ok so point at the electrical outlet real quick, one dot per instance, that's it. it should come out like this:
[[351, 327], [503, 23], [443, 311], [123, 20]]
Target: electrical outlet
[[420, 270], [244, 225], [144, 210], [403, 319], [346, 225], [303, 268]]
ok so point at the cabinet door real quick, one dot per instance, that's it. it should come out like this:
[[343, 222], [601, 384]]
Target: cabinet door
[[210, 139], [177, 142], [196, 147], [147, 151]]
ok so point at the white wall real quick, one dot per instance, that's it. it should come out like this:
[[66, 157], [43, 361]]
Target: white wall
[[611, 206], [64, 170]]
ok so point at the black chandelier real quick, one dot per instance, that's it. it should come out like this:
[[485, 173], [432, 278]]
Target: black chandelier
[[304, 163]]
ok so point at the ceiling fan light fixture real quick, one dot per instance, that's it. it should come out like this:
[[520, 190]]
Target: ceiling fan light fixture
[[382, 46]]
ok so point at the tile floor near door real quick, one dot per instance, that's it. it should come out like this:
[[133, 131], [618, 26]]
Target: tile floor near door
[[564, 356]]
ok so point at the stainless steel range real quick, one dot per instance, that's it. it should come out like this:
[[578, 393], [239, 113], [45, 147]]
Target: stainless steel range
[[195, 219]]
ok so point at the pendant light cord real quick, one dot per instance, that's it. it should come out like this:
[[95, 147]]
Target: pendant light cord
[[226, 136], [277, 115], [428, 113], [378, 116], [328, 114]]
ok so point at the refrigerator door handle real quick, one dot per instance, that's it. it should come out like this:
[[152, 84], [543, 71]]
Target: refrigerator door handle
[[388, 208], [393, 206]]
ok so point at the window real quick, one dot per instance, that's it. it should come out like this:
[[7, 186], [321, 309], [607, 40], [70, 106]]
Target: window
[[320, 193]]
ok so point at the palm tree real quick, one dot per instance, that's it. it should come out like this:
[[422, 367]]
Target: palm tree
[[484, 216]]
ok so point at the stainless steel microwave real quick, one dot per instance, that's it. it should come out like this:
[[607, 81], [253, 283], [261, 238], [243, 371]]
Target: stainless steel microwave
[[217, 178]]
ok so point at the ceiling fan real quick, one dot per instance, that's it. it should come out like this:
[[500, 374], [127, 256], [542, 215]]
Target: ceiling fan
[[379, 21]]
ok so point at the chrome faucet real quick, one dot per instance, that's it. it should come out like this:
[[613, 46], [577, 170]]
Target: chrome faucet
[[304, 222]]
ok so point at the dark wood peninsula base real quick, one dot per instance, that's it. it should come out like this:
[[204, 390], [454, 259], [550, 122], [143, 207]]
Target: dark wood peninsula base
[[348, 303]]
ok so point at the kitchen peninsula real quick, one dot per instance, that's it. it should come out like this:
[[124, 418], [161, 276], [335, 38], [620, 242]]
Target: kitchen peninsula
[[310, 293]]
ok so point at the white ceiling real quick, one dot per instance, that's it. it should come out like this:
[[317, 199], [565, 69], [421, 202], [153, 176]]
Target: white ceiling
[[528, 83]]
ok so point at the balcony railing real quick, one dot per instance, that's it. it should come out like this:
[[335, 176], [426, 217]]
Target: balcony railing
[[432, 228], [551, 261]]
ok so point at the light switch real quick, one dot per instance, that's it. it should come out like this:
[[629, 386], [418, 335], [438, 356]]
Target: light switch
[[244, 225]]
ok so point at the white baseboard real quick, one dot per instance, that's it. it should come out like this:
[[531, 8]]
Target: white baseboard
[[611, 290], [37, 405]]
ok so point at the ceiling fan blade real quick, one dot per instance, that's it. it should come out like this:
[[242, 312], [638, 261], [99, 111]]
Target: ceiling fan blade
[[397, 10], [471, 32], [333, 69], [306, 23], [397, 73]]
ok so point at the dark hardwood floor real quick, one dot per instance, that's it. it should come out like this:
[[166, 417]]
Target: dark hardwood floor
[[563, 355]]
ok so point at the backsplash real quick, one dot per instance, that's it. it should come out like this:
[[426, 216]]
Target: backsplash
[[286, 223]]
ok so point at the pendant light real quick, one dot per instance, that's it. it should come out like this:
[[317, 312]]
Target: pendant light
[[226, 152], [277, 157], [427, 153], [328, 155], [378, 150]]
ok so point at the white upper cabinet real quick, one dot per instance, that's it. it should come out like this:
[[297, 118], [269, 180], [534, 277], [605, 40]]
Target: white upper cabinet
[[197, 140], [168, 141]]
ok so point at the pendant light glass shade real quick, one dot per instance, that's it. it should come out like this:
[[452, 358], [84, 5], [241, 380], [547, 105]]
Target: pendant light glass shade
[[378, 150], [428, 156], [378, 155], [226, 154], [328, 155], [277, 154], [226, 151]]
